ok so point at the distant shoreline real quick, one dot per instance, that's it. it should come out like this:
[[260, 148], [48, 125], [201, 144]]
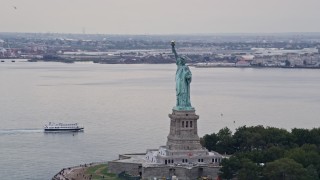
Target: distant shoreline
[[256, 67], [191, 65], [2, 60]]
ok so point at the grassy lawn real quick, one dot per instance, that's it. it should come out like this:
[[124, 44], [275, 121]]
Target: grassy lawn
[[100, 171]]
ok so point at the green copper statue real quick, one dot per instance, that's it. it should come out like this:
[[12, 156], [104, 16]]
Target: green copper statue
[[183, 80]]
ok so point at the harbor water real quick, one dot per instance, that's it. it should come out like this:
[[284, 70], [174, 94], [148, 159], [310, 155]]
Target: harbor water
[[124, 109]]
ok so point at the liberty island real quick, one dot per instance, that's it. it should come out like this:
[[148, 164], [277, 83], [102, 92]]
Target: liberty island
[[182, 157]]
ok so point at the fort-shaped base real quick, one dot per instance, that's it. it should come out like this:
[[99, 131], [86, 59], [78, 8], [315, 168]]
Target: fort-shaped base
[[183, 156]]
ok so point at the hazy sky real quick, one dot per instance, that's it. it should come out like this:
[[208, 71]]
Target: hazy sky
[[160, 16]]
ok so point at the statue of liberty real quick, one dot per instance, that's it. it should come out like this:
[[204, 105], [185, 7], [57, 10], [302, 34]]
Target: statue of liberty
[[183, 80]]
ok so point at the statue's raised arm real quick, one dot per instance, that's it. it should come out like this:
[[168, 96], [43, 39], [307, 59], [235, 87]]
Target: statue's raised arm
[[174, 50]]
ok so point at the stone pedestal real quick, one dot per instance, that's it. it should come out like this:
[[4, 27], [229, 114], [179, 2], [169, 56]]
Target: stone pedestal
[[183, 133], [183, 145]]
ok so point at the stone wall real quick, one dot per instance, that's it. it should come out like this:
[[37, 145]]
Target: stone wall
[[182, 173], [130, 168]]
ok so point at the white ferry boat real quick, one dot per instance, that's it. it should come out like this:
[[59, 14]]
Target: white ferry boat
[[62, 127]]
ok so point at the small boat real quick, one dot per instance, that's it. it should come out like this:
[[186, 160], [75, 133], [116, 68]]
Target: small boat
[[13, 61], [54, 127]]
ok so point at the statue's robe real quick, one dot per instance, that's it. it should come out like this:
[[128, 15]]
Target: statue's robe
[[183, 80]]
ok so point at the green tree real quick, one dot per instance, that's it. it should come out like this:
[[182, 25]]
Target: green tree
[[306, 136], [315, 135], [229, 168], [249, 170], [225, 143], [256, 156], [210, 141], [301, 136], [303, 157], [278, 137], [310, 148], [273, 153], [312, 173], [249, 138], [285, 169], [267, 153]]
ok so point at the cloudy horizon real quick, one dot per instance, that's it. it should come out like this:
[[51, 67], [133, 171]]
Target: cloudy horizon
[[159, 16]]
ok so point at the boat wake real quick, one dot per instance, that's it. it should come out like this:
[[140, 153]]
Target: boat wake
[[19, 131]]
